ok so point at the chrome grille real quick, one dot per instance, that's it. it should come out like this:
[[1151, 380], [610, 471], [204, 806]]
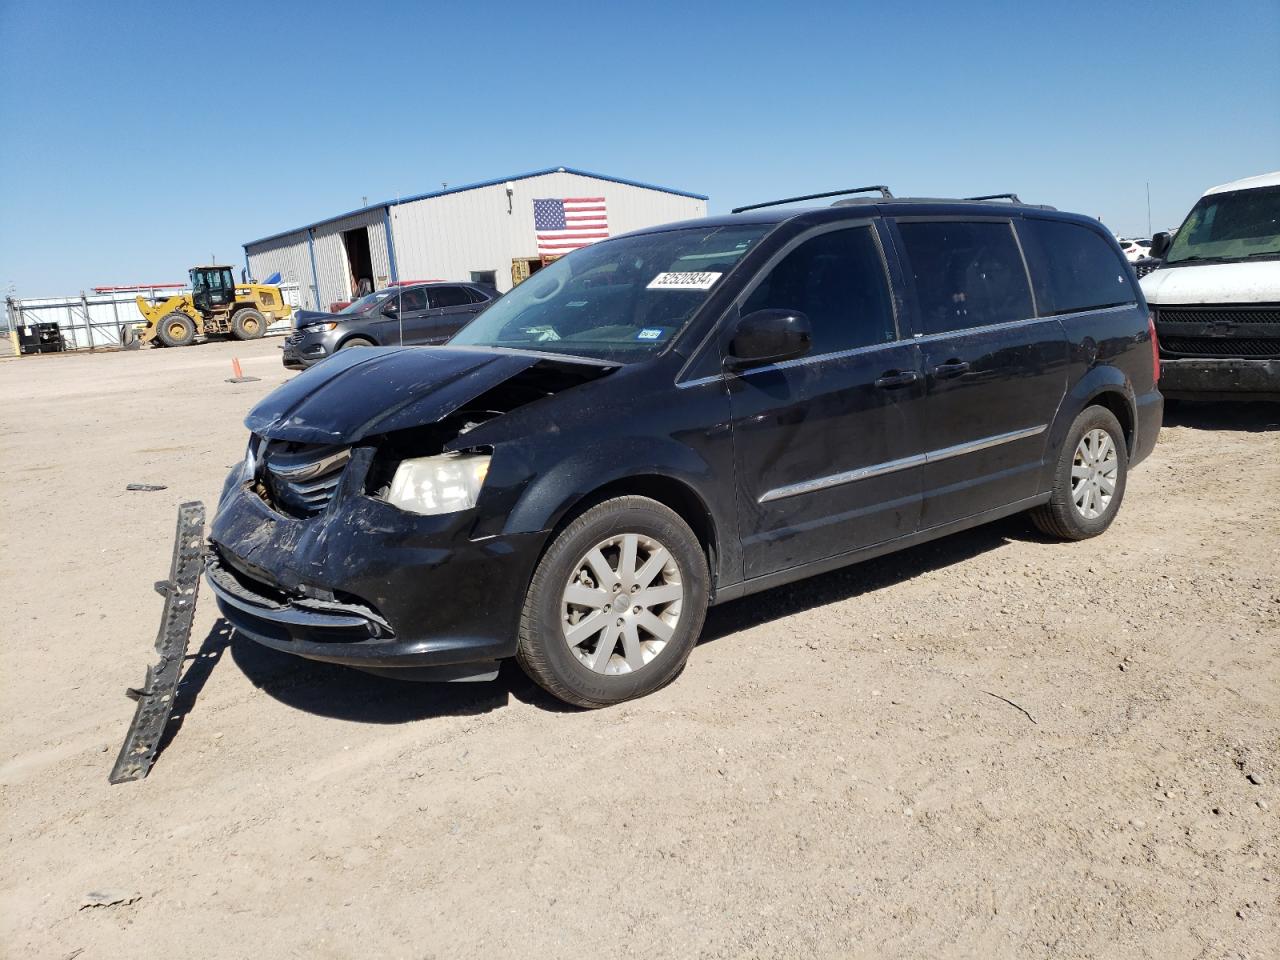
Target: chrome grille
[[302, 478]]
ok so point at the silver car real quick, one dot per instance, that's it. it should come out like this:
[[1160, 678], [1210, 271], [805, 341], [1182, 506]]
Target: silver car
[[424, 313]]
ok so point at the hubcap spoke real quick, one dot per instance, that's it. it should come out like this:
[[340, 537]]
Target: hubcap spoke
[[585, 596], [659, 628], [586, 628], [627, 562], [604, 647], [656, 595], [657, 560], [604, 574], [631, 645]]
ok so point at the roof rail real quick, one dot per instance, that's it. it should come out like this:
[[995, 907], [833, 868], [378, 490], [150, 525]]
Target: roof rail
[[1013, 197], [883, 190]]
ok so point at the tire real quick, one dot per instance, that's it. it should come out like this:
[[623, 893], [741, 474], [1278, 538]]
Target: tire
[[248, 324], [1067, 515], [646, 651], [176, 330], [357, 342]]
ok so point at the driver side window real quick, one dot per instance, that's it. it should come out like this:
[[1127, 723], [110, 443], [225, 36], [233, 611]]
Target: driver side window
[[838, 280]]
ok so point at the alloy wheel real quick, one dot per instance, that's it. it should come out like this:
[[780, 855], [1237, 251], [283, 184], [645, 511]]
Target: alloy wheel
[[622, 603], [1095, 469]]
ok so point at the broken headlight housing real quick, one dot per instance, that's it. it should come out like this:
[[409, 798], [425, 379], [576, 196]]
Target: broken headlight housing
[[446, 483]]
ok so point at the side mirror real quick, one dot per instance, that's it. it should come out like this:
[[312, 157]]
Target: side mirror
[[391, 310], [1160, 244], [769, 336]]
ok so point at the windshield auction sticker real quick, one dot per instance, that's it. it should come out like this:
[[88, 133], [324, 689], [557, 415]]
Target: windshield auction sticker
[[684, 281]]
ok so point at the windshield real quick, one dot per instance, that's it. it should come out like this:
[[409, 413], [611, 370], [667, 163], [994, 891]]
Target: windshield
[[617, 299], [1230, 226], [368, 302]]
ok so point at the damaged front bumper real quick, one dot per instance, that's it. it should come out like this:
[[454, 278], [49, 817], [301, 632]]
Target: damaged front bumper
[[367, 585], [1210, 379]]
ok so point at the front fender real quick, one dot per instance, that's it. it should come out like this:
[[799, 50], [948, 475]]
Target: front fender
[[554, 491]]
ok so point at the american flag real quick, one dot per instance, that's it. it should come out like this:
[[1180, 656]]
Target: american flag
[[565, 225]]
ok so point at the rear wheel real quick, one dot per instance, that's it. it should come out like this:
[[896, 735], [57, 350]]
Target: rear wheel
[[1089, 481], [177, 330], [357, 342], [248, 324], [615, 605]]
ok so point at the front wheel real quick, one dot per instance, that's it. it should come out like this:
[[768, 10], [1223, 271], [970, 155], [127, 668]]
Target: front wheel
[[1089, 481], [616, 604], [248, 324], [177, 330]]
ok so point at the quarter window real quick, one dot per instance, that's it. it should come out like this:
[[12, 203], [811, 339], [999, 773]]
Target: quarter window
[[1073, 268], [966, 274], [838, 281]]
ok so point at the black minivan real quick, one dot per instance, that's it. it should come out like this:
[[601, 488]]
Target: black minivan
[[681, 416]]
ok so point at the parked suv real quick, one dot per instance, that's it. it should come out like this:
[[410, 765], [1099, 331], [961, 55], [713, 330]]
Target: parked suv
[[681, 416], [1216, 295], [416, 314]]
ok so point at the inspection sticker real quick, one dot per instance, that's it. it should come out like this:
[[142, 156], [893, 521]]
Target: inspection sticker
[[684, 281], [651, 333]]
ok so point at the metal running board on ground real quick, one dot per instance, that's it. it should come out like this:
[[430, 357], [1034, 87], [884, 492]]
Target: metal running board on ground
[[155, 699]]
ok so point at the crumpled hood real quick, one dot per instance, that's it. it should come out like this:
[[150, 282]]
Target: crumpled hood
[[361, 393]]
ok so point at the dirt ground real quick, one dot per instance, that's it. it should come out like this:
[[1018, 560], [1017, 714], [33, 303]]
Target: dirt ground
[[838, 773]]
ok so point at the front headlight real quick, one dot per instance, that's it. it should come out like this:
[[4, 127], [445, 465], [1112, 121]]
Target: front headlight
[[250, 466], [446, 483], [323, 327]]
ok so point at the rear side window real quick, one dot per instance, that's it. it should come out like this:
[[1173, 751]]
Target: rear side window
[[448, 297], [838, 280], [966, 274], [1073, 268], [475, 295]]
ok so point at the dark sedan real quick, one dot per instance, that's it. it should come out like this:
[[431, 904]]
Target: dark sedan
[[425, 313]]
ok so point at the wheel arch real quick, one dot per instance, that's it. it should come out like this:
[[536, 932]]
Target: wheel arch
[[1103, 386], [671, 491], [355, 335]]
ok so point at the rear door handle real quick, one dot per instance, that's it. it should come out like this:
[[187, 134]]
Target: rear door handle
[[893, 379], [952, 368]]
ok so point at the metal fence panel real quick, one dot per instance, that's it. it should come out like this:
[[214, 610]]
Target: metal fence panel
[[93, 321]]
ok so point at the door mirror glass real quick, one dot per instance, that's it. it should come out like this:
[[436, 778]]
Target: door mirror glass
[[769, 336], [1160, 244]]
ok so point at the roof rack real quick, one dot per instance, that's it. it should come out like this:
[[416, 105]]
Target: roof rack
[[1013, 197], [884, 191]]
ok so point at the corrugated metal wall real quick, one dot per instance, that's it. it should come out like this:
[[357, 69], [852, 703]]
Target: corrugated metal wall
[[287, 255], [450, 236], [331, 254]]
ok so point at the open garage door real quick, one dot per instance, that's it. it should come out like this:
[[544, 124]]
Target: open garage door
[[359, 260]]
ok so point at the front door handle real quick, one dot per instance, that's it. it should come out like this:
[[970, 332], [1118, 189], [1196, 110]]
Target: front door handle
[[893, 379], [952, 368]]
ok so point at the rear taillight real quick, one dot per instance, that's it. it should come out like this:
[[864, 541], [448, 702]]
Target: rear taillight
[[1155, 346]]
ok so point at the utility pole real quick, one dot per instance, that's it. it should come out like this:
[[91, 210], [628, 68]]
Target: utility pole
[[1148, 209]]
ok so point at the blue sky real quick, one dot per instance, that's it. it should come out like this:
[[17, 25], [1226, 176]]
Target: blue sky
[[141, 137]]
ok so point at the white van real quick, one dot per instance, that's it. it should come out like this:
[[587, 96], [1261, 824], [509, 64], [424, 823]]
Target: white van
[[1216, 296]]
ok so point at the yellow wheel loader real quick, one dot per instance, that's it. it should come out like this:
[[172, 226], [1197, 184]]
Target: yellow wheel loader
[[216, 305]]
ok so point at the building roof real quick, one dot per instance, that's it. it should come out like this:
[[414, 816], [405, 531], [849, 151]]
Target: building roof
[[476, 186]]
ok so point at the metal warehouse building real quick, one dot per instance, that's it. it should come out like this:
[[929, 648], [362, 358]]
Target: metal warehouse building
[[482, 231]]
